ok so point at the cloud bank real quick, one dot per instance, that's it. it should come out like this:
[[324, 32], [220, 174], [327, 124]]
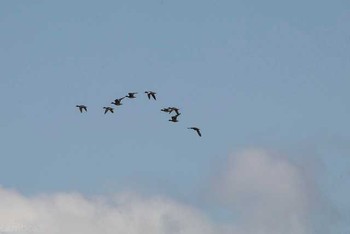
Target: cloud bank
[[267, 192], [270, 193]]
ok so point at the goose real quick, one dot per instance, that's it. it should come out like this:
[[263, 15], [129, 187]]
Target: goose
[[174, 118], [81, 108], [174, 109], [197, 130], [108, 109], [166, 110], [151, 94], [131, 95], [118, 101]]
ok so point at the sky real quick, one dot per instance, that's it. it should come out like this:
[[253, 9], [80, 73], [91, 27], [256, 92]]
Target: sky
[[266, 81]]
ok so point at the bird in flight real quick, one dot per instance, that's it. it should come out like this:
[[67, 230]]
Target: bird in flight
[[118, 101], [151, 94], [171, 109], [131, 95], [197, 130], [174, 118], [167, 110], [81, 108], [108, 109]]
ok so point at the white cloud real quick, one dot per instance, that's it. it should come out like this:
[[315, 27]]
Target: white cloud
[[267, 193], [72, 213]]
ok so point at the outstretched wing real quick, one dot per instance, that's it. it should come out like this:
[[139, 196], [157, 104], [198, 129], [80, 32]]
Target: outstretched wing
[[149, 95], [198, 131], [111, 110], [85, 108], [81, 109], [154, 96], [106, 110]]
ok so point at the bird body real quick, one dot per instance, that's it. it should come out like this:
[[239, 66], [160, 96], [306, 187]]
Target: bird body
[[131, 95], [174, 118], [108, 109], [118, 101], [166, 110], [151, 94], [81, 108], [197, 130]]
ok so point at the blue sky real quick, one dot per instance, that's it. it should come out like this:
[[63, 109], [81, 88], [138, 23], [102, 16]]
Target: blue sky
[[258, 74]]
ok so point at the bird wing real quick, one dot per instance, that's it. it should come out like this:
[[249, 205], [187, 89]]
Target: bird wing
[[149, 95], [85, 108], [81, 109], [199, 133], [111, 110], [106, 110], [154, 96]]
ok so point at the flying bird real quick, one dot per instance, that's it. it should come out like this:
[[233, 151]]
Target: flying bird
[[174, 118], [197, 130], [131, 95], [108, 109], [167, 110], [81, 108], [174, 109], [118, 101], [151, 94]]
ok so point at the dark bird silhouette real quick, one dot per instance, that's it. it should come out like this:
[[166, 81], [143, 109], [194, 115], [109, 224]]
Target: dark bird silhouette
[[197, 130], [167, 110], [174, 118], [131, 95], [151, 94], [174, 109], [108, 109], [118, 101], [81, 108]]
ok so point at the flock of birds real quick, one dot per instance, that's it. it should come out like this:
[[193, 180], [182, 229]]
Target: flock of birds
[[150, 95]]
